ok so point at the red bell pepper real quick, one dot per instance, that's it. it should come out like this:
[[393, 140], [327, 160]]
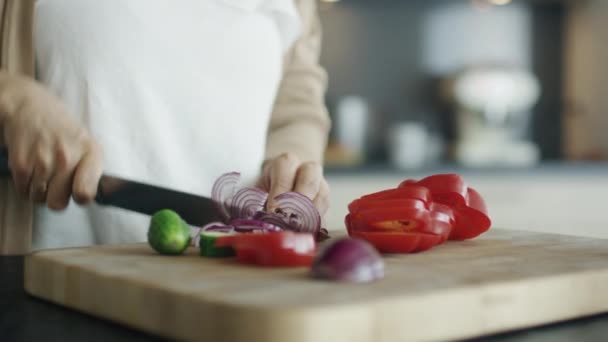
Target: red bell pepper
[[281, 249], [414, 192], [448, 189], [417, 215], [471, 215], [398, 242], [410, 216]]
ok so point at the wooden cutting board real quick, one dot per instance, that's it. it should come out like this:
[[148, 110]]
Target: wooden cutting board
[[501, 281]]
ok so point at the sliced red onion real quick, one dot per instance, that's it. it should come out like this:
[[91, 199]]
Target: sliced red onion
[[218, 227], [294, 212], [273, 219], [223, 190], [298, 212], [247, 202], [248, 225], [348, 259]]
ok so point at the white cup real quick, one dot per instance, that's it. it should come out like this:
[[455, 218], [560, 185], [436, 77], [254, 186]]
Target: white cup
[[409, 145]]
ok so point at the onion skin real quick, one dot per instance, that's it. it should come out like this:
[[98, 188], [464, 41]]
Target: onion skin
[[348, 260]]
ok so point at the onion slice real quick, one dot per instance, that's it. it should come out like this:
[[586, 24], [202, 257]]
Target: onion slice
[[247, 202], [223, 191], [298, 212], [248, 225], [218, 227], [350, 260]]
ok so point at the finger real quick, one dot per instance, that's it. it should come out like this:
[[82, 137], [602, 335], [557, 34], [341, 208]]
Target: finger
[[21, 165], [321, 201], [282, 177], [60, 186], [41, 175], [87, 175], [263, 182], [308, 179]]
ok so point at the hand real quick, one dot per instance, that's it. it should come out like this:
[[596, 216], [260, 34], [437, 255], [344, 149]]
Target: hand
[[287, 173], [50, 155]]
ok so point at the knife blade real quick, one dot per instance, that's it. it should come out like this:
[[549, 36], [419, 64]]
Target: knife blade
[[146, 198]]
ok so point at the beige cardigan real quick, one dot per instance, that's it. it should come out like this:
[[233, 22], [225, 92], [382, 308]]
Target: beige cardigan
[[299, 122]]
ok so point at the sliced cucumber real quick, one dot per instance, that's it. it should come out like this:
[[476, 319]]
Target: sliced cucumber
[[207, 245]]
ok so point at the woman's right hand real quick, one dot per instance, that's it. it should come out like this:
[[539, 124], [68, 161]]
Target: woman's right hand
[[51, 156]]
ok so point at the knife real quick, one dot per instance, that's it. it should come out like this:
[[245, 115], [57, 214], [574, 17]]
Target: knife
[[146, 198]]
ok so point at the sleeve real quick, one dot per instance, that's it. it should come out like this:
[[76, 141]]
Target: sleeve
[[300, 121]]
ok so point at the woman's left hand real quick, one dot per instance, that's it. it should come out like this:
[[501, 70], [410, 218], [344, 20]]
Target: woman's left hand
[[288, 173]]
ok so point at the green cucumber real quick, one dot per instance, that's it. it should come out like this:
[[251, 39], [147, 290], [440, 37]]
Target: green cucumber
[[207, 245], [167, 233]]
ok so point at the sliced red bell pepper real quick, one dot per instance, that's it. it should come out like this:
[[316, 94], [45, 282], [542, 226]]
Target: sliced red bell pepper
[[470, 212], [449, 189], [476, 202], [414, 192], [470, 223], [441, 221], [418, 214], [398, 242], [391, 219], [361, 204], [281, 249], [407, 215]]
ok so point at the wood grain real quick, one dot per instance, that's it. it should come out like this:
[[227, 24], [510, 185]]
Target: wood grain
[[502, 281]]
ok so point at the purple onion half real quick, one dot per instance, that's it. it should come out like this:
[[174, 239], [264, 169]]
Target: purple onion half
[[349, 260]]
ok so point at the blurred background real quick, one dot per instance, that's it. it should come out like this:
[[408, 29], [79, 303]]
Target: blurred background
[[509, 93]]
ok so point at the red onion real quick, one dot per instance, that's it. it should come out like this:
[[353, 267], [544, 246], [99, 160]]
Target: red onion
[[273, 219], [218, 227], [294, 212], [223, 190], [298, 212], [211, 227], [351, 260], [247, 202], [248, 225]]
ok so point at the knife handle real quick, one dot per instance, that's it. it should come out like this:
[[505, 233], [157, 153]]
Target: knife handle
[[5, 171]]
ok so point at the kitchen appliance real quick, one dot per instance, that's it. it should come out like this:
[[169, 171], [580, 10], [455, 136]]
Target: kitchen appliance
[[501, 281], [347, 146], [493, 106]]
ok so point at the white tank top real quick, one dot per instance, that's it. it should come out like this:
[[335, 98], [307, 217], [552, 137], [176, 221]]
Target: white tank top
[[176, 91]]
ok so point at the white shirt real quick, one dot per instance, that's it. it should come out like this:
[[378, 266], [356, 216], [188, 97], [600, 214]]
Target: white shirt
[[176, 91]]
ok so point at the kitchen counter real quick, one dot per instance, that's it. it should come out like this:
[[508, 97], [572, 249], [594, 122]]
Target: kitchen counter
[[23, 318], [542, 169]]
